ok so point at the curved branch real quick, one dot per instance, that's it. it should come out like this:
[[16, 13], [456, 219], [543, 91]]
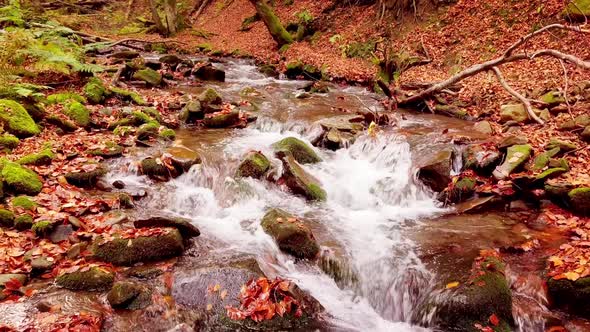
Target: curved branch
[[524, 39], [523, 99]]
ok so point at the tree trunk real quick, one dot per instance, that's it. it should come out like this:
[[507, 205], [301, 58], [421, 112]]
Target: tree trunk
[[170, 10], [156, 17], [272, 22]]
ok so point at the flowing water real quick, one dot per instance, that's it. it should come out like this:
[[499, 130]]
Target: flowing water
[[377, 218]]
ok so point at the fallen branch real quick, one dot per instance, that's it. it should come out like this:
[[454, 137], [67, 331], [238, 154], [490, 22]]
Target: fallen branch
[[198, 11], [523, 99], [117, 75]]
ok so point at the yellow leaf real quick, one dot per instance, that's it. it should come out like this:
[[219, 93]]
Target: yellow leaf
[[556, 261], [209, 307], [216, 287], [452, 284], [573, 276]]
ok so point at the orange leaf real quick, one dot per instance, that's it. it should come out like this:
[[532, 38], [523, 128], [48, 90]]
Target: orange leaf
[[494, 320]]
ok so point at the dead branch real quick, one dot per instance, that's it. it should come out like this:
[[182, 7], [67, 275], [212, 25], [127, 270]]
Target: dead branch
[[523, 99], [524, 39], [117, 75], [199, 10]]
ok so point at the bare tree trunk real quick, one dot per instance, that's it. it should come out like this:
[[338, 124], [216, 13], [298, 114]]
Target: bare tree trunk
[[156, 17], [170, 10], [272, 22]]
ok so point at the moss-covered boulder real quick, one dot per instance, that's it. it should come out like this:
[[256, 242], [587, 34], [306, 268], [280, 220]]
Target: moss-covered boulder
[[184, 226], [461, 190], [298, 180], [8, 141], [435, 170], [167, 134], [209, 73], [516, 156], [549, 174], [42, 228], [63, 97], [147, 130], [513, 112], [43, 157], [222, 119], [16, 120], [486, 293], [542, 159], [150, 76], [21, 180], [557, 191], [129, 96], [95, 91], [302, 152], [23, 222], [85, 178], [481, 157], [577, 10], [170, 59], [77, 113], [254, 165], [191, 112], [121, 251], [290, 234], [155, 169], [6, 218], [129, 295], [94, 279], [580, 200], [210, 97], [24, 202]]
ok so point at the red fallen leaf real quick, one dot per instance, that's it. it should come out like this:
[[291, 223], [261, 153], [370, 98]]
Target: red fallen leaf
[[494, 320], [13, 285], [168, 280]]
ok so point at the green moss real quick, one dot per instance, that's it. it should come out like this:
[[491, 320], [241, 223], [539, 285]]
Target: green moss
[[95, 279], [550, 173], [168, 134], [561, 144], [210, 96], [8, 141], [273, 23], [6, 218], [95, 91], [16, 120], [204, 47], [516, 156], [129, 95], [141, 118], [24, 202], [85, 178], [255, 165], [21, 180], [111, 150], [129, 295], [577, 10], [44, 157], [147, 130], [123, 130], [153, 112], [125, 201], [151, 168], [141, 249], [23, 222], [291, 234], [299, 181], [543, 159], [42, 228], [148, 75], [122, 122], [61, 98], [580, 200], [77, 113], [299, 149]]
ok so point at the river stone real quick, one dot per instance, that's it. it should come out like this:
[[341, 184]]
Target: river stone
[[155, 169], [302, 152], [461, 190], [335, 139], [512, 140], [513, 112], [435, 172], [209, 73], [290, 234], [542, 159], [129, 295], [580, 200], [85, 178], [483, 127], [210, 97], [191, 112], [182, 158], [222, 119], [254, 165], [348, 123], [94, 279], [170, 59], [184, 226], [6, 218], [299, 181], [585, 135], [563, 145], [6, 277], [61, 233], [150, 76], [516, 156], [110, 150], [570, 295], [487, 293], [557, 191], [121, 251], [482, 157], [40, 265]]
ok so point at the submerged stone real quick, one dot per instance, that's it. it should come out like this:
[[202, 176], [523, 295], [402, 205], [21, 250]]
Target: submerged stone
[[290, 234]]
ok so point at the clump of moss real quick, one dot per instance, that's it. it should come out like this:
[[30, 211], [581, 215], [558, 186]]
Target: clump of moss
[[580, 200], [147, 130], [95, 91], [255, 165], [153, 112], [43, 157], [63, 124], [150, 76], [123, 130], [42, 228], [24, 202], [111, 150], [6, 218], [141, 118], [23, 222], [129, 95], [8, 141], [77, 113], [21, 180], [16, 120], [95, 279], [300, 151], [168, 134], [60, 98]]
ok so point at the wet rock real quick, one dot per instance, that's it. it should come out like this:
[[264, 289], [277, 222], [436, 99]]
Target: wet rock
[[19, 179], [435, 172], [44, 306], [125, 201], [147, 130], [209, 73], [121, 251], [182, 159], [119, 184], [334, 139], [557, 191], [512, 140], [319, 87], [85, 178], [487, 293], [563, 145], [480, 157], [580, 200], [460, 191], [516, 156], [513, 112], [483, 127], [144, 272], [6, 218], [61, 233], [302, 152], [570, 295], [269, 70], [40, 265], [127, 55], [300, 94], [191, 112], [154, 169], [129, 295], [150, 76], [210, 97], [222, 119], [170, 59], [6, 277], [290, 234], [110, 150], [94, 279], [254, 165], [298, 180], [184, 226]]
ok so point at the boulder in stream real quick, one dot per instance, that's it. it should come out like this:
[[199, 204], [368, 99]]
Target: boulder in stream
[[184, 226], [254, 165], [298, 180], [481, 157], [150, 76], [129, 295], [435, 171], [93, 279], [170, 59], [570, 295], [85, 178], [208, 72], [123, 251], [302, 152], [290, 233], [222, 119]]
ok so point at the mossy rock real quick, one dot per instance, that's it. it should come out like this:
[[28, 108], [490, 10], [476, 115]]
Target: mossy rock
[[570, 295], [513, 112], [167, 134], [170, 59], [147, 130], [299, 181], [210, 96], [549, 173], [222, 119], [516, 156], [125, 201], [35, 109], [150, 76], [20, 179], [139, 117], [16, 120], [585, 135], [302, 152], [127, 55], [23, 222], [154, 169], [577, 10], [110, 150], [77, 113], [129, 295], [557, 191], [123, 131], [95, 279], [129, 96], [563, 146], [191, 112], [290, 234], [543, 159], [63, 124], [44, 157], [254, 165], [153, 113], [8, 141], [209, 73], [552, 98], [184, 226], [561, 163], [580, 200], [42, 228], [269, 70], [95, 91], [24, 202], [6, 218], [461, 190], [63, 97], [480, 157], [85, 178], [121, 251]]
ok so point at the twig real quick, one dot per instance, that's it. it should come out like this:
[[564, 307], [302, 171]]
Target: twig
[[523, 99], [567, 103], [523, 39], [578, 149], [117, 75]]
